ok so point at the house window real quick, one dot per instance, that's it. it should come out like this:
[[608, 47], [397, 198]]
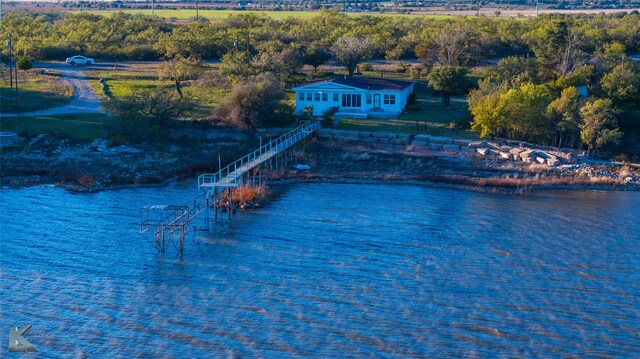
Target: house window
[[351, 100], [301, 96], [369, 99], [325, 97], [316, 96], [389, 99], [336, 97], [309, 96]]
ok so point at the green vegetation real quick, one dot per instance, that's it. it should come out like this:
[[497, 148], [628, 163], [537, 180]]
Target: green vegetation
[[81, 127], [535, 92], [36, 92]]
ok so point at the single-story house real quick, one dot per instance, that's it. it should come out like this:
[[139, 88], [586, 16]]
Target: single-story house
[[356, 97]]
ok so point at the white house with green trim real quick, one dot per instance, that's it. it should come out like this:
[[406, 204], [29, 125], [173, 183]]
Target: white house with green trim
[[355, 97]]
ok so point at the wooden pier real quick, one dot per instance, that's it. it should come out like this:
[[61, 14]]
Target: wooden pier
[[170, 227]]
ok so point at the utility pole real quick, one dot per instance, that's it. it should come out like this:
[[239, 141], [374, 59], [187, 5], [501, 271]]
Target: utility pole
[[153, 8], [10, 43], [537, 8], [478, 10], [10, 60], [16, 70], [197, 13], [345, 7]]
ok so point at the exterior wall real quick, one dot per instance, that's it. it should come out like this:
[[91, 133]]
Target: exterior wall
[[320, 106]]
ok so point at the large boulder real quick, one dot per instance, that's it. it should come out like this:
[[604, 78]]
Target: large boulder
[[452, 147], [441, 140], [416, 143], [477, 144], [553, 161], [462, 141], [422, 137]]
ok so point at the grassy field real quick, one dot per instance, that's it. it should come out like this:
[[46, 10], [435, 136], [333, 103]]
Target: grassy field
[[82, 127], [223, 14], [35, 92], [143, 78]]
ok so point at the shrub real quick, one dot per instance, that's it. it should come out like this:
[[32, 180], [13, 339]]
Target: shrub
[[247, 193], [86, 181], [24, 63], [366, 67]]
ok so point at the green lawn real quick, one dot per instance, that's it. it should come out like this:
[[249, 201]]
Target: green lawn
[[434, 118], [223, 14], [83, 127], [35, 92], [435, 111], [395, 125]]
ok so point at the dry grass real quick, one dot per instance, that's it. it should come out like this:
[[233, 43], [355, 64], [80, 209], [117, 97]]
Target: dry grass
[[247, 193], [516, 182], [624, 171]]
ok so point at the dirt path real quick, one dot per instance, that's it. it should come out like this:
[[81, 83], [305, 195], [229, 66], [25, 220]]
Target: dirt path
[[84, 100]]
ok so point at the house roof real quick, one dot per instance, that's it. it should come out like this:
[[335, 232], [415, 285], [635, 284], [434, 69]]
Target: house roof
[[365, 83]]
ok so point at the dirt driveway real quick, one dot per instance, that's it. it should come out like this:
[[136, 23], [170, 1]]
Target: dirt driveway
[[84, 100]]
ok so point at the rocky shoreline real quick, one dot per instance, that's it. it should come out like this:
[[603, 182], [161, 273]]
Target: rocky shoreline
[[345, 156]]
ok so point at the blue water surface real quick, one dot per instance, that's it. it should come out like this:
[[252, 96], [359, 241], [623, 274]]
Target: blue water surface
[[327, 270]]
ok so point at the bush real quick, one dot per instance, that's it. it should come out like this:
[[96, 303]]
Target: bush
[[366, 67], [86, 181], [327, 117], [24, 63], [256, 102], [322, 74]]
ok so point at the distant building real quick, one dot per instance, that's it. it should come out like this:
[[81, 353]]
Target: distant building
[[356, 97]]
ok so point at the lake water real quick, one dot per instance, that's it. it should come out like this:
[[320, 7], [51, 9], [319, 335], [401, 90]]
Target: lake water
[[327, 270]]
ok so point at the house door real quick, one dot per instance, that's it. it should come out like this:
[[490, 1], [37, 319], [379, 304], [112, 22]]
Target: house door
[[376, 100]]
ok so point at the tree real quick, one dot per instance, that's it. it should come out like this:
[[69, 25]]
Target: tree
[[143, 116], [599, 126], [622, 85], [24, 63], [449, 80], [179, 69], [349, 51], [315, 56], [513, 70], [517, 113], [454, 44], [565, 113], [253, 102], [286, 62], [555, 45], [398, 51], [236, 65]]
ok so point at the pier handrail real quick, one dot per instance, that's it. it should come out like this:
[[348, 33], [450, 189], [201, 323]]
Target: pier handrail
[[235, 169]]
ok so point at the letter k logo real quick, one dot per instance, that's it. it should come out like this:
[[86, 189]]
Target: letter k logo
[[17, 343]]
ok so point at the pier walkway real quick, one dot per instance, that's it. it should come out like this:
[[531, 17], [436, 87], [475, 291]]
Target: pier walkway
[[228, 177]]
